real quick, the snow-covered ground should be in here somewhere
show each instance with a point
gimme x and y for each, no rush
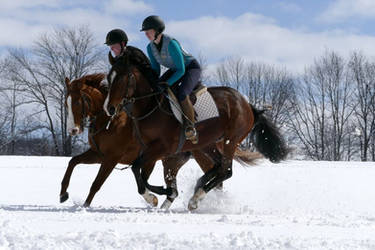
(292, 205)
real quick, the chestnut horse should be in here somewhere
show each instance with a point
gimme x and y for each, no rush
(129, 90)
(85, 98)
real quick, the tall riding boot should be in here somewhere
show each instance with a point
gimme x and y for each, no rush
(190, 132)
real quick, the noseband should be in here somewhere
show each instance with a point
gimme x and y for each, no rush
(127, 101)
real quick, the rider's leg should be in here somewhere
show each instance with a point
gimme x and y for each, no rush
(189, 81)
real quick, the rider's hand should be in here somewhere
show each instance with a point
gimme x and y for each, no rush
(163, 85)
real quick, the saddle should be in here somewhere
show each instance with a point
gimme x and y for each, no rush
(203, 103)
(198, 90)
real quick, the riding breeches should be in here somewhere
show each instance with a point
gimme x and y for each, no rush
(187, 82)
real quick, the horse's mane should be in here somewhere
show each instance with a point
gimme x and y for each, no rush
(95, 81)
(134, 57)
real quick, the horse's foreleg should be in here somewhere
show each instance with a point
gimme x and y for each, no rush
(104, 171)
(146, 162)
(88, 157)
(172, 165)
(136, 169)
(146, 171)
(141, 178)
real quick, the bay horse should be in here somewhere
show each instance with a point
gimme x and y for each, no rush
(129, 90)
(85, 99)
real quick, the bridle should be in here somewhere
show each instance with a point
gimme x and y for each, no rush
(128, 102)
(89, 121)
(85, 113)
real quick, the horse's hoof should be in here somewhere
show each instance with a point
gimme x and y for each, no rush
(173, 194)
(150, 198)
(155, 201)
(166, 204)
(197, 197)
(219, 187)
(64, 197)
(192, 204)
(86, 204)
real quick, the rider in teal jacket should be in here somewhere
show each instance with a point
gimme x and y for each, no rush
(182, 67)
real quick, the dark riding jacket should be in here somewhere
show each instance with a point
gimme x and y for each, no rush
(141, 61)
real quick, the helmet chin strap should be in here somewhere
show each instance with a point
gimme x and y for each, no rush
(157, 33)
(123, 48)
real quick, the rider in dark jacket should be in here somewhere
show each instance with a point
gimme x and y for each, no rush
(117, 40)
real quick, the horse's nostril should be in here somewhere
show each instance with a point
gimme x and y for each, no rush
(111, 110)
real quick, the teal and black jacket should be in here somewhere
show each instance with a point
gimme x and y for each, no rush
(171, 55)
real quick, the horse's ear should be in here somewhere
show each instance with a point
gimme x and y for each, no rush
(111, 59)
(80, 84)
(67, 82)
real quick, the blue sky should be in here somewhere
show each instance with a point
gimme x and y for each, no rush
(289, 33)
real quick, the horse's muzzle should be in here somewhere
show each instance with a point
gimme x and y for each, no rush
(74, 131)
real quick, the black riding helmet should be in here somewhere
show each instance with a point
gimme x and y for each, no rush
(153, 22)
(116, 36)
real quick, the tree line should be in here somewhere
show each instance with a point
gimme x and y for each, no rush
(325, 113)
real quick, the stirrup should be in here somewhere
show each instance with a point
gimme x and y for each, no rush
(191, 134)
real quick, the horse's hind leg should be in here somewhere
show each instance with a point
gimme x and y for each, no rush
(88, 157)
(216, 176)
(209, 160)
(205, 158)
(105, 170)
(172, 165)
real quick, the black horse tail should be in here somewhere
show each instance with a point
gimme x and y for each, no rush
(266, 138)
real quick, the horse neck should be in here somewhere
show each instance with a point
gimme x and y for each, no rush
(97, 99)
(143, 89)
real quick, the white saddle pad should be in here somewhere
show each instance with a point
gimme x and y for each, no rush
(205, 107)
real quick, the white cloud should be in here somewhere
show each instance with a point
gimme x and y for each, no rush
(17, 33)
(9, 4)
(251, 36)
(341, 10)
(128, 7)
(288, 7)
(258, 38)
(21, 26)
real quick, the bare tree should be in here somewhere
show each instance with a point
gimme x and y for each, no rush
(271, 88)
(66, 52)
(265, 86)
(203, 63)
(11, 102)
(25, 73)
(363, 75)
(321, 112)
(231, 72)
(40, 74)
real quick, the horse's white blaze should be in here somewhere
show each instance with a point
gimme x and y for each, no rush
(111, 78)
(104, 81)
(70, 119)
(105, 105)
